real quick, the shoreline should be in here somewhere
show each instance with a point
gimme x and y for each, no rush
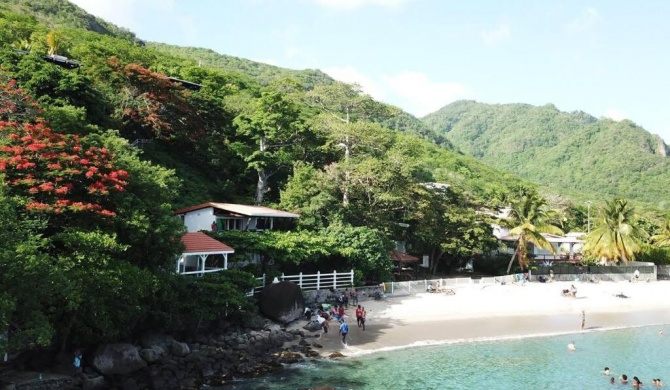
(499, 312)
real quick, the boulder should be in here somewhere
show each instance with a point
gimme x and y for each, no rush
(97, 383)
(110, 359)
(312, 326)
(149, 355)
(153, 340)
(179, 349)
(282, 302)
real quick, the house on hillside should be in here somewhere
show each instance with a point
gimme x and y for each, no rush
(567, 247)
(229, 216)
(202, 254)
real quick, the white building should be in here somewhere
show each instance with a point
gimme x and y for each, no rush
(228, 216)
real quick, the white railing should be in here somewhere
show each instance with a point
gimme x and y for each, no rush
(259, 287)
(321, 281)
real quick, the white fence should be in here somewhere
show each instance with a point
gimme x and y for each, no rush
(259, 287)
(315, 281)
(321, 281)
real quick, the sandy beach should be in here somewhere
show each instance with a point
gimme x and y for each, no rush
(481, 312)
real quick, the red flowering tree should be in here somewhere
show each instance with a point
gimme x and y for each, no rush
(56, 171)
(150, 105)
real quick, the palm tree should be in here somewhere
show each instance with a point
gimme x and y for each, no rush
(528, 217)
(662, 240)
(616, 236)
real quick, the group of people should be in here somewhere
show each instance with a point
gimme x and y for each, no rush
(338, 312)
(635, 381)
(572, 292)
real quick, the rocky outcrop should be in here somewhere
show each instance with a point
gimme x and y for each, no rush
(282, 302)
(110, 359)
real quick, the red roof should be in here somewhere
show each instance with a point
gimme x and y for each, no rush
(402, 257)
(199, 242)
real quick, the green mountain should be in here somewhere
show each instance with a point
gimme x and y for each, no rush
(572, 152)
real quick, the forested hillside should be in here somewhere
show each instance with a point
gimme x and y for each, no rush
(571, 151)
(103, 137)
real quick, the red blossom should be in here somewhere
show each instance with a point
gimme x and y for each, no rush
(44, 167)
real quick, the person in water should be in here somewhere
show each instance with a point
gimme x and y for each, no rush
(607, 371)
(571, 346)
(624, 379)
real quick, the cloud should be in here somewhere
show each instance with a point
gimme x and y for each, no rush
(418, 95)
(614, 114)
(353, 4)
(497, 35)
(584, 23)
(131, 14)
(349, 75)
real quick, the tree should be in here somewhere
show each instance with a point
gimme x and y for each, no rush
(56, 172)
(527, 219)
(444, 223)
(345, 119)
(276, 128)
(616, 236)
(662, 239)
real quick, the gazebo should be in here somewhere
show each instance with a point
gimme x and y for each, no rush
(403, 261)
(198, 247)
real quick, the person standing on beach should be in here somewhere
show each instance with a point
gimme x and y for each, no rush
(583, 320)
(359, 315)
(344, 330)
(364, 313)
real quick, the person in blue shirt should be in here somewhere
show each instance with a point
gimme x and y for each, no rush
(344, 329)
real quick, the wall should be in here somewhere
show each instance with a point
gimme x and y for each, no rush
(198, 220)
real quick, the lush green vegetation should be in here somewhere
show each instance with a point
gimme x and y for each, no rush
(95, 159)
(569, 153)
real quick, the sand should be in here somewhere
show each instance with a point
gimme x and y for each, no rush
(479, 312)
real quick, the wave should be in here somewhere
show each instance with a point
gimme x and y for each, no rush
(357, 352)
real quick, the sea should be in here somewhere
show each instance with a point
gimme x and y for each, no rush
(536, 362)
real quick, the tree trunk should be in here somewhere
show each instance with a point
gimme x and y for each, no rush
(509, 266)
(347, 152)
(261, 185)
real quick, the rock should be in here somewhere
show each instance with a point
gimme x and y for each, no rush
(179, 349)
(152, 340)
(282, 302)
(317, 345)
(129, 384)
(312, 326)
(311, 353)
(97, 383)
(335, 355)
(149, 355)
(253, 321)
(110, 359)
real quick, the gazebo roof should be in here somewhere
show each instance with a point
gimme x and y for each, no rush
(402, 257)
(200, 243)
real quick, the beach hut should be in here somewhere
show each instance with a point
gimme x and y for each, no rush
(198, 249)
(405, 264)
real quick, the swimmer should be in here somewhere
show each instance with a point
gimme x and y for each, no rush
(624, 379)
(611, 380)
(607, 371)
(660, 331)
(571, 346)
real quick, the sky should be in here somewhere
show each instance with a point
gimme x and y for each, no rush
(607, 58)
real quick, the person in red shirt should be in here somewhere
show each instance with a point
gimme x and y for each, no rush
(340, 311)
(359, 315)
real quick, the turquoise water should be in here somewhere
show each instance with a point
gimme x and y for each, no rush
(526, 363)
